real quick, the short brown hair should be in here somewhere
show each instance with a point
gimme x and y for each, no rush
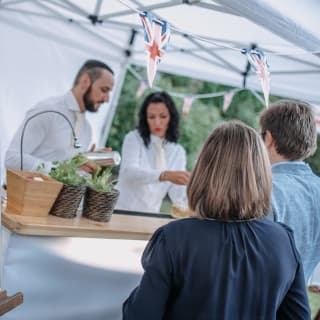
(232, 177)
(292, 126)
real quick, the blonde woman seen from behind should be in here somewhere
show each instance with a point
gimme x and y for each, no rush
(229, 262)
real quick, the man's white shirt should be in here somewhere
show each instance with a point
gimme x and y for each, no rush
(48, 136)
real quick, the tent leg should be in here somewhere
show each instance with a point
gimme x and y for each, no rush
(113, 104)
(115, 97)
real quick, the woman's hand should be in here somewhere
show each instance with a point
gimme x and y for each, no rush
(88, 167)
(93, 149)
(175, 177)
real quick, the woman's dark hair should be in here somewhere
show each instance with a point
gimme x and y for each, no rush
(172, 133)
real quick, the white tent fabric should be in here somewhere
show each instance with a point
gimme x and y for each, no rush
(43, 43)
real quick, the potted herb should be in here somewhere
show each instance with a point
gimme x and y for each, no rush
(69, 198)
(101, 197)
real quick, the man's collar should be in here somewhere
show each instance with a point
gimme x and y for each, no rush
(156, 139)
(285, 166)
(71, 102)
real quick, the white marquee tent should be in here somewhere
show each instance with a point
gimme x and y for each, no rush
(43, 43)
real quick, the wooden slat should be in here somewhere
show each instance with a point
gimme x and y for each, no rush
(3, 294)
(119, 227)
(9, 303)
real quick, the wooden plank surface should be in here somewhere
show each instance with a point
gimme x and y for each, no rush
(121, 226)
(9, 303)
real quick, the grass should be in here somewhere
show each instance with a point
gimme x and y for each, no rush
(166, 206)
(314, 298)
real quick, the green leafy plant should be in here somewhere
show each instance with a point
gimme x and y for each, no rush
(66, 171)
(101, 179)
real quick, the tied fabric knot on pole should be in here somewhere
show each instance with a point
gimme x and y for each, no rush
(258, 61)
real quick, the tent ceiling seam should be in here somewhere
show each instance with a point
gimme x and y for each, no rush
(279, 26)
(81, 26)
(97, 7)
(142, 8)
(13, 2)
(59, 4)
(225, 62)
(76, 8)
(215, 63)
(70, 43)
(216, 8)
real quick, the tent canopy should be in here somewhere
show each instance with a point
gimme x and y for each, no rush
(43, 43)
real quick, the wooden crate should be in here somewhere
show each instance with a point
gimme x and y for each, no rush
(30, 197)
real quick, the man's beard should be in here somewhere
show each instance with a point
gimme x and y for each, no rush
(89, 104)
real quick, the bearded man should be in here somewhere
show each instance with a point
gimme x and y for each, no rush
(57, 128)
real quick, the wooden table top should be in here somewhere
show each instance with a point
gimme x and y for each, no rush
(123, 225)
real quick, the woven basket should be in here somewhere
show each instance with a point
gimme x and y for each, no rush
(99, 205)
(68, 200)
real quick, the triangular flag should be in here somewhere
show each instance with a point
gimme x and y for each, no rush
(141, 89)
(187, 102)
(259, 62)
(227, 99)
(316, 110)
(156, 37)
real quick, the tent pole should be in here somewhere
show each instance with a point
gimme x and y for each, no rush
(114, 102)
(1, 239)
(116, 95)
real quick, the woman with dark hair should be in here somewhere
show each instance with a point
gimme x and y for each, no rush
(228, 261)
(153, 164)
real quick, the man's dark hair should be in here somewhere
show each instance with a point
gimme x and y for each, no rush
(93, 68)
(172, 133)
(292, 126)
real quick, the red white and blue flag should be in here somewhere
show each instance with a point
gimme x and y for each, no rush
(258, 61)
(142, 88)
(227, 99)
(316, 110)
(156, 37)
(187, 102)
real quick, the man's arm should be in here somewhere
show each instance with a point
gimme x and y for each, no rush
(33, 138)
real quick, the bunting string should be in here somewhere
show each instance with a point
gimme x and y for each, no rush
(290, 52)
(182, 95)
(189, 99)
(157, 34)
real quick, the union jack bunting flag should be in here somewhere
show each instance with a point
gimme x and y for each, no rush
(187, 102)
(227, 99)
(142, 87)
(156, 38)
(316, 110)
(258, 61)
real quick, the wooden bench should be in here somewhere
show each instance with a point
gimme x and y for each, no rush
(9, 303)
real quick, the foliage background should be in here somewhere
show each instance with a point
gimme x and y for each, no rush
(204, 115)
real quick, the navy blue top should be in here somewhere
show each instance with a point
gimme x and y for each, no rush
(205, 269)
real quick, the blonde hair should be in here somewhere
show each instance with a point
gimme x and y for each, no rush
(232, 177)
